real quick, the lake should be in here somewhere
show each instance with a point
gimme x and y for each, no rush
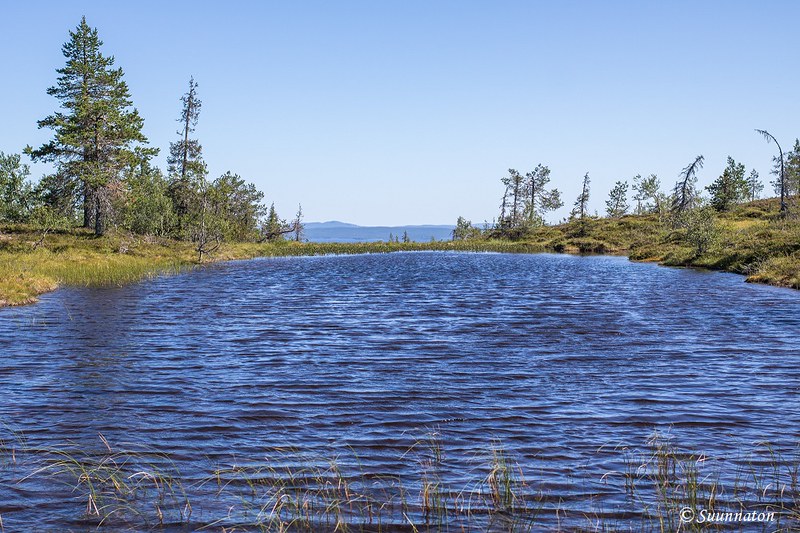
(385, 390)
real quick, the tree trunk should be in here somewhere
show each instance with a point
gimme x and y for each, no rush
(99, 228)
(87, 206)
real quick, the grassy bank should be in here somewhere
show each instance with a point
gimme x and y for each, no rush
(751, 240)
(31, 264)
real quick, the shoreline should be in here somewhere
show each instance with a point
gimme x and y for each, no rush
(98, 269)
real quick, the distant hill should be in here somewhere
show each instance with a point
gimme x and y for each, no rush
(329, 224)
(335, 231)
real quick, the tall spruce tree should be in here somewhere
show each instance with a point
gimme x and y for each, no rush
(97, 129)
(185, 162)
(581, 206)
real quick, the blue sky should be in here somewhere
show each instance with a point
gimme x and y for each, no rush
(409, 112)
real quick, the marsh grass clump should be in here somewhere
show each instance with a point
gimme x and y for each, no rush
(134, 487)
(291, 491)
(666, 482)
(503, 481)
(118, 486)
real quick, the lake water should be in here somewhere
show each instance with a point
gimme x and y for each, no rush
(241, 375)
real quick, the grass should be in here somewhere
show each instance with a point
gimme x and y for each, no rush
(286, 490)
(751, 240)
(30, 265)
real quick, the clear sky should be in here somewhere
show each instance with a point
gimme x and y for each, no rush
(410, 112)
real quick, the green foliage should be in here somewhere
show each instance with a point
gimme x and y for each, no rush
(540, 199)
(185, 162)
(754, 186)
(60, 193)
(146, 207)
(96, 134)
(648, 195)
(617, 203)
(273, 228)
(465, 230)
(16, 194)
(793, 172)
(580, 207)
(730, 188)
(525, 201)
(702, 230)
(236, 206)
(297, 226)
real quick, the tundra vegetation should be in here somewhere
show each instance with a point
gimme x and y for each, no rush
(726, 226)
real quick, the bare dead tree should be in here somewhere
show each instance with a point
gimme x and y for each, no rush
(684, 189)
(770, 138)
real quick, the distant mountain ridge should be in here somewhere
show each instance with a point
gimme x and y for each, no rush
(336, 231)
(329, 224)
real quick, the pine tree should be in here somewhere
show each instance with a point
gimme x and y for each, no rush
(649, 198)
(526, 200)
(617, 203)
(185, 162)
(512, 210)
(754, 185)
(540, 200)
(730, 188)
(97, 131)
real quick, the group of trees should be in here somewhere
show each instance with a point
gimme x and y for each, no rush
(104, 175)
(526, 199)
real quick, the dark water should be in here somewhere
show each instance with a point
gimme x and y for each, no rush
(564, 359)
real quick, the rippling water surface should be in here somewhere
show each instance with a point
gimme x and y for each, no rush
(563, 359)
